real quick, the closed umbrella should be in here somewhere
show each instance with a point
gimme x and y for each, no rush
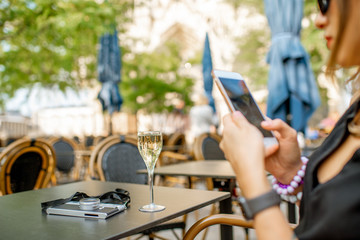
(109, 67)
(293, 93)
(206, 69)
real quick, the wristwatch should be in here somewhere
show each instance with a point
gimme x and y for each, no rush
(250, 207)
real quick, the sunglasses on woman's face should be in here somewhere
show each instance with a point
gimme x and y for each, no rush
(324, 6)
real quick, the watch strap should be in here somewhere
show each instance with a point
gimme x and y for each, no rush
(251, 207)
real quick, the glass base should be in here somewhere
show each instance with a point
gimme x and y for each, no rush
(151, 208)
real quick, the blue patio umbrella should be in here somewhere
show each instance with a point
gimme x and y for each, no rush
(207, 67)
(293, 93)
(109, 68)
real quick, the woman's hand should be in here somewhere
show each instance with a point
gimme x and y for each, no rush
(284, 160)
(243, 146)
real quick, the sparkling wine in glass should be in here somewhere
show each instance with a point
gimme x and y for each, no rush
(150, 144)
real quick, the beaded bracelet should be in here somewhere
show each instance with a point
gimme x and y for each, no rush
(285, 190)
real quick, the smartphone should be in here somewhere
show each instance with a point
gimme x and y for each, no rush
(238, 98)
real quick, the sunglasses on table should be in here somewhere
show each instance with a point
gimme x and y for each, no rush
(323, 6)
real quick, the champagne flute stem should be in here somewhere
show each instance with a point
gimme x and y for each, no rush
(151, 184)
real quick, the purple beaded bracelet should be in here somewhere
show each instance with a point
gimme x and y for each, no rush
(298, 180)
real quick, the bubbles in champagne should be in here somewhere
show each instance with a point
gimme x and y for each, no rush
(150, 144)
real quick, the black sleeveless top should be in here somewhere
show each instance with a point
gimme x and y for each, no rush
(332, 210)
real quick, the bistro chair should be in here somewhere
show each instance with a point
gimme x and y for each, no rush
(7, 141)
(26, 164)
(207, 147)
(176, 142)
(118, 160)
(169, 158)
(89, 141)
(67, 163)
(94, 173)
(77, 139)
(174, 151)
(98, 139)
(165, 138)
(225, 219)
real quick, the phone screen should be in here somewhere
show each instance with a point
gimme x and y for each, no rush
(242, 101)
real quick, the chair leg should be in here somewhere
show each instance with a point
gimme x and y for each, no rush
(204, 233)
(176, 236)
(152, 236)
(246, 233)
(184, 229)
(53, 179)
(137, 237)
(213, 211)
(78, 167)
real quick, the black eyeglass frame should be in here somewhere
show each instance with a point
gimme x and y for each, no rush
(323, 6)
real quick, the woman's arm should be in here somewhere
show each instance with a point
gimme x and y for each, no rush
(243, 146)
(271, 224)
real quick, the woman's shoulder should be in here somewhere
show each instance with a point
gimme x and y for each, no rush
(352, 113)
(338, 134)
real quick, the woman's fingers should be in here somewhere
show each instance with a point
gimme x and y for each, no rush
(271, 150)
(234, 127)
(280, 128)
(239, 119)
(227, 119)
(236, 118)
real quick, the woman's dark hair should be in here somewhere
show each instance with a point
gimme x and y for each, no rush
(331, 66)
(344, 9)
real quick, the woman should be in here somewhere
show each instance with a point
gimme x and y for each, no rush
(330, 203)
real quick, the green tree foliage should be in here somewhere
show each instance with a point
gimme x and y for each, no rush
(56, 42)
(251, 58)
(253, 47)
(151, 81)
(53, 41)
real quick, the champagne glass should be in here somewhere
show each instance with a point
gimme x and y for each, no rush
(149, 145)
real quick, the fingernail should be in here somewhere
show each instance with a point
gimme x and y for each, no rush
(237, 114)
(266, 123)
